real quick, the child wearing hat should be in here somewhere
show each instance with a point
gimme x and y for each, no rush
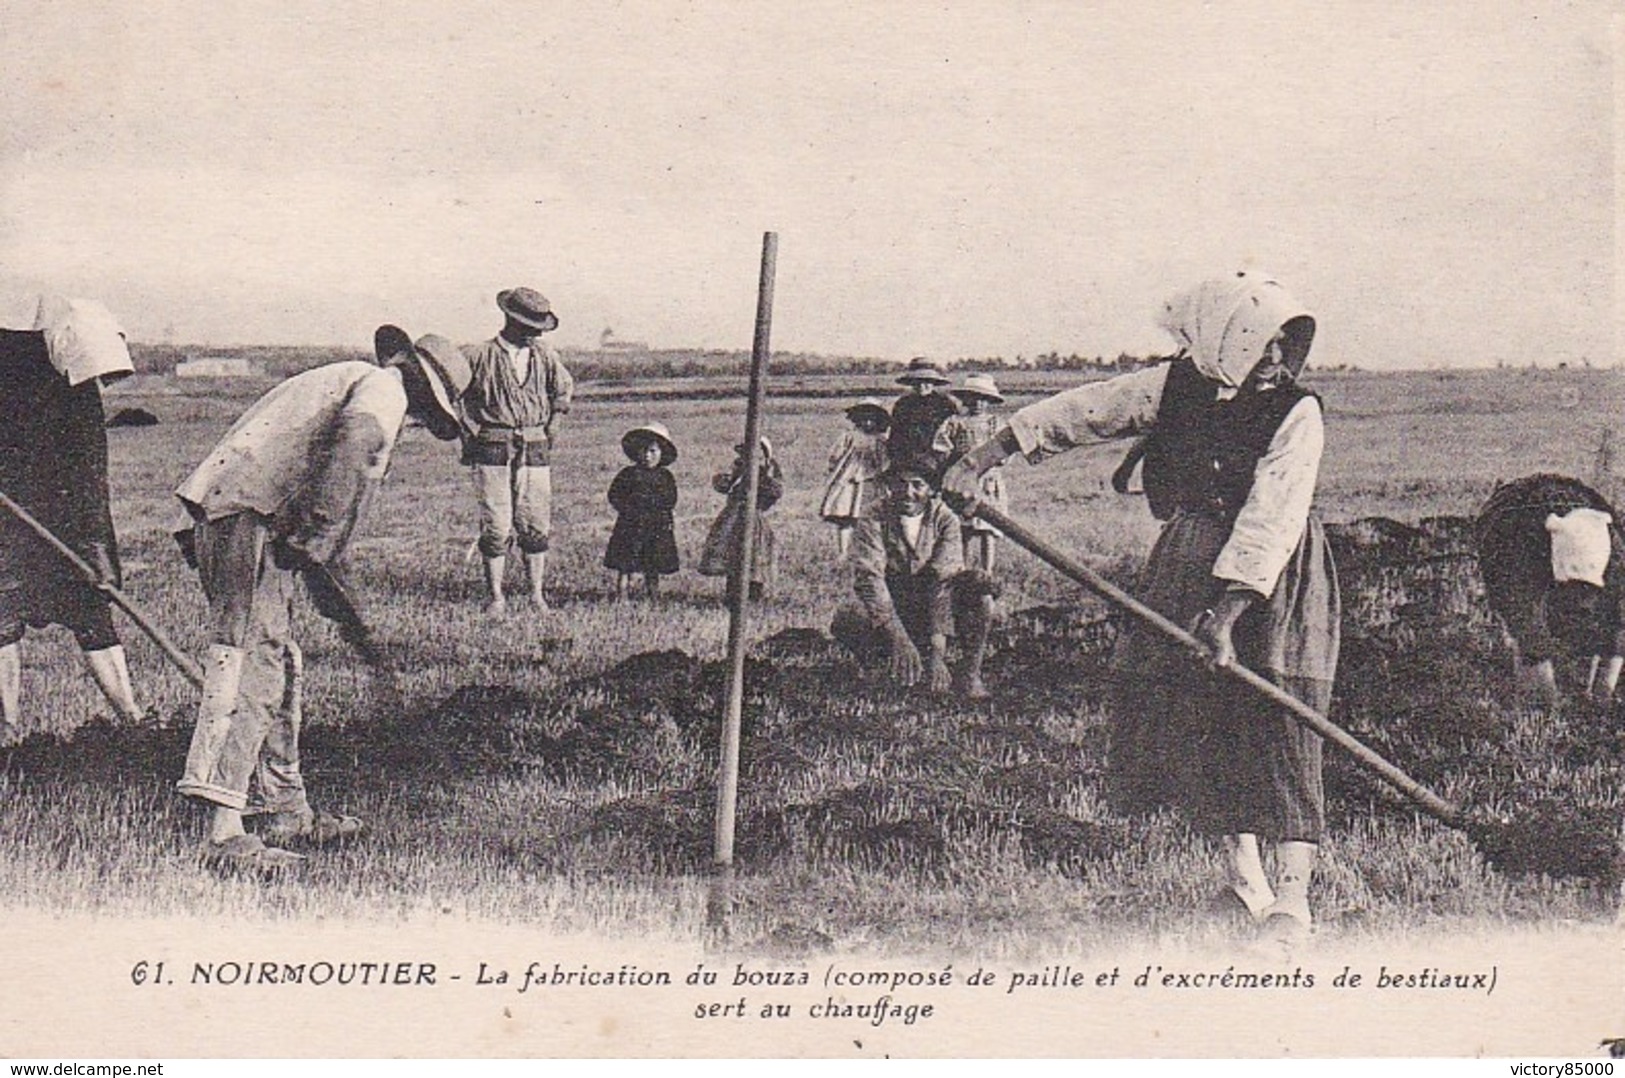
(856, 462)
(722, 542)
(916, 415)
(958, 434)
(643, 495)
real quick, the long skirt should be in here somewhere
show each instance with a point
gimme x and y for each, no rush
(722, 542)
(1202, 742)
(53, 462)
(643, 543)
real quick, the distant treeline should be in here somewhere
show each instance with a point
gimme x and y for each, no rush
(608, 364)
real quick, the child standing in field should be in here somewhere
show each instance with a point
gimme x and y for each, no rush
(643, 495)
(958, 434)
(856, 462)
(722, 542)
(918, 413)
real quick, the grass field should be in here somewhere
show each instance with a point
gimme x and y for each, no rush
(557, 769)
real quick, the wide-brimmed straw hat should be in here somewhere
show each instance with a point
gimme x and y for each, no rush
(921, 369)
(447, 368)
(979, 385)
(872, 407)
(634, 439)
(528, 306)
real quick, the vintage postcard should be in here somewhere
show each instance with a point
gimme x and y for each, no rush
(811, 530)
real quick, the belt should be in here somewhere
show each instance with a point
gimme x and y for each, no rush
(1218, 514)
(507, 435)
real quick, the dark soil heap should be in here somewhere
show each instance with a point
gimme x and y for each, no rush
(1426, 679)
(840, 767)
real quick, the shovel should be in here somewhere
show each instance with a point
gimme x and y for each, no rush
(1558, 843)
(115, 595)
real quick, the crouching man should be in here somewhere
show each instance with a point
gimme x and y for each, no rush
(913, 589)
(280, 497)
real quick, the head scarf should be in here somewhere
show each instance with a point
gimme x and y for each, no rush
(83, 339)
(1224, 324)
(1581, 545)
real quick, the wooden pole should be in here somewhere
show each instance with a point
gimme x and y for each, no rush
(744, 556)
(1450, 814)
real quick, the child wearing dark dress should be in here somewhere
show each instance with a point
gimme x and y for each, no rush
(723, 542)
(643, 495)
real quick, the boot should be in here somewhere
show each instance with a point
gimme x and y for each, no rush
(1288, 917)
(111, 672)
(1610, 679)
(11, 686)
(536, 571)
(974, 644)
(1244, 871)
(495, 569)
(222, 677)
(1539, 683)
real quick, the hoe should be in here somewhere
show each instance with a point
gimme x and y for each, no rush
(1556, 842)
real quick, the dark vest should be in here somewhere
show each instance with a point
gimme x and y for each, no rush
(1203, 452)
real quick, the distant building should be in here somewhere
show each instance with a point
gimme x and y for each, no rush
(216, 367)
(608, 342)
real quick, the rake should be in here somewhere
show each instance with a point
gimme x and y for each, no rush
(1553, 841)
(183, 662)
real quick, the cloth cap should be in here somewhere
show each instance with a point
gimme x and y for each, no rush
(448, 370)
(528, 306)
(83, 339)
(1581, 545)
(633, 439)
(1225, 323)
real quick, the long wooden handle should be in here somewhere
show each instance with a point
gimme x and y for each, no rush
(1044, 551)
(174, 654)
(742, 558)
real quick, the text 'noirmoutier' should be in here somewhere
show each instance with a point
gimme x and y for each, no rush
(835, 979)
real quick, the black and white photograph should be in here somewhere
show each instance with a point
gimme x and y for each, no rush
(816, 530)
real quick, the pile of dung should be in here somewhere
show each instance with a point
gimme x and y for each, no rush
(1422, 664)
(1051, 655)
(608, 726)
(479, 729)
(1555, 840)
(1426, 679)
(132, 417)
(103, 753)
(671, 827)
(1069, 844)
(928, 775)
(876, 823)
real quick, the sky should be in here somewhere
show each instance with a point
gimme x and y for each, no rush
(1436, 182)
